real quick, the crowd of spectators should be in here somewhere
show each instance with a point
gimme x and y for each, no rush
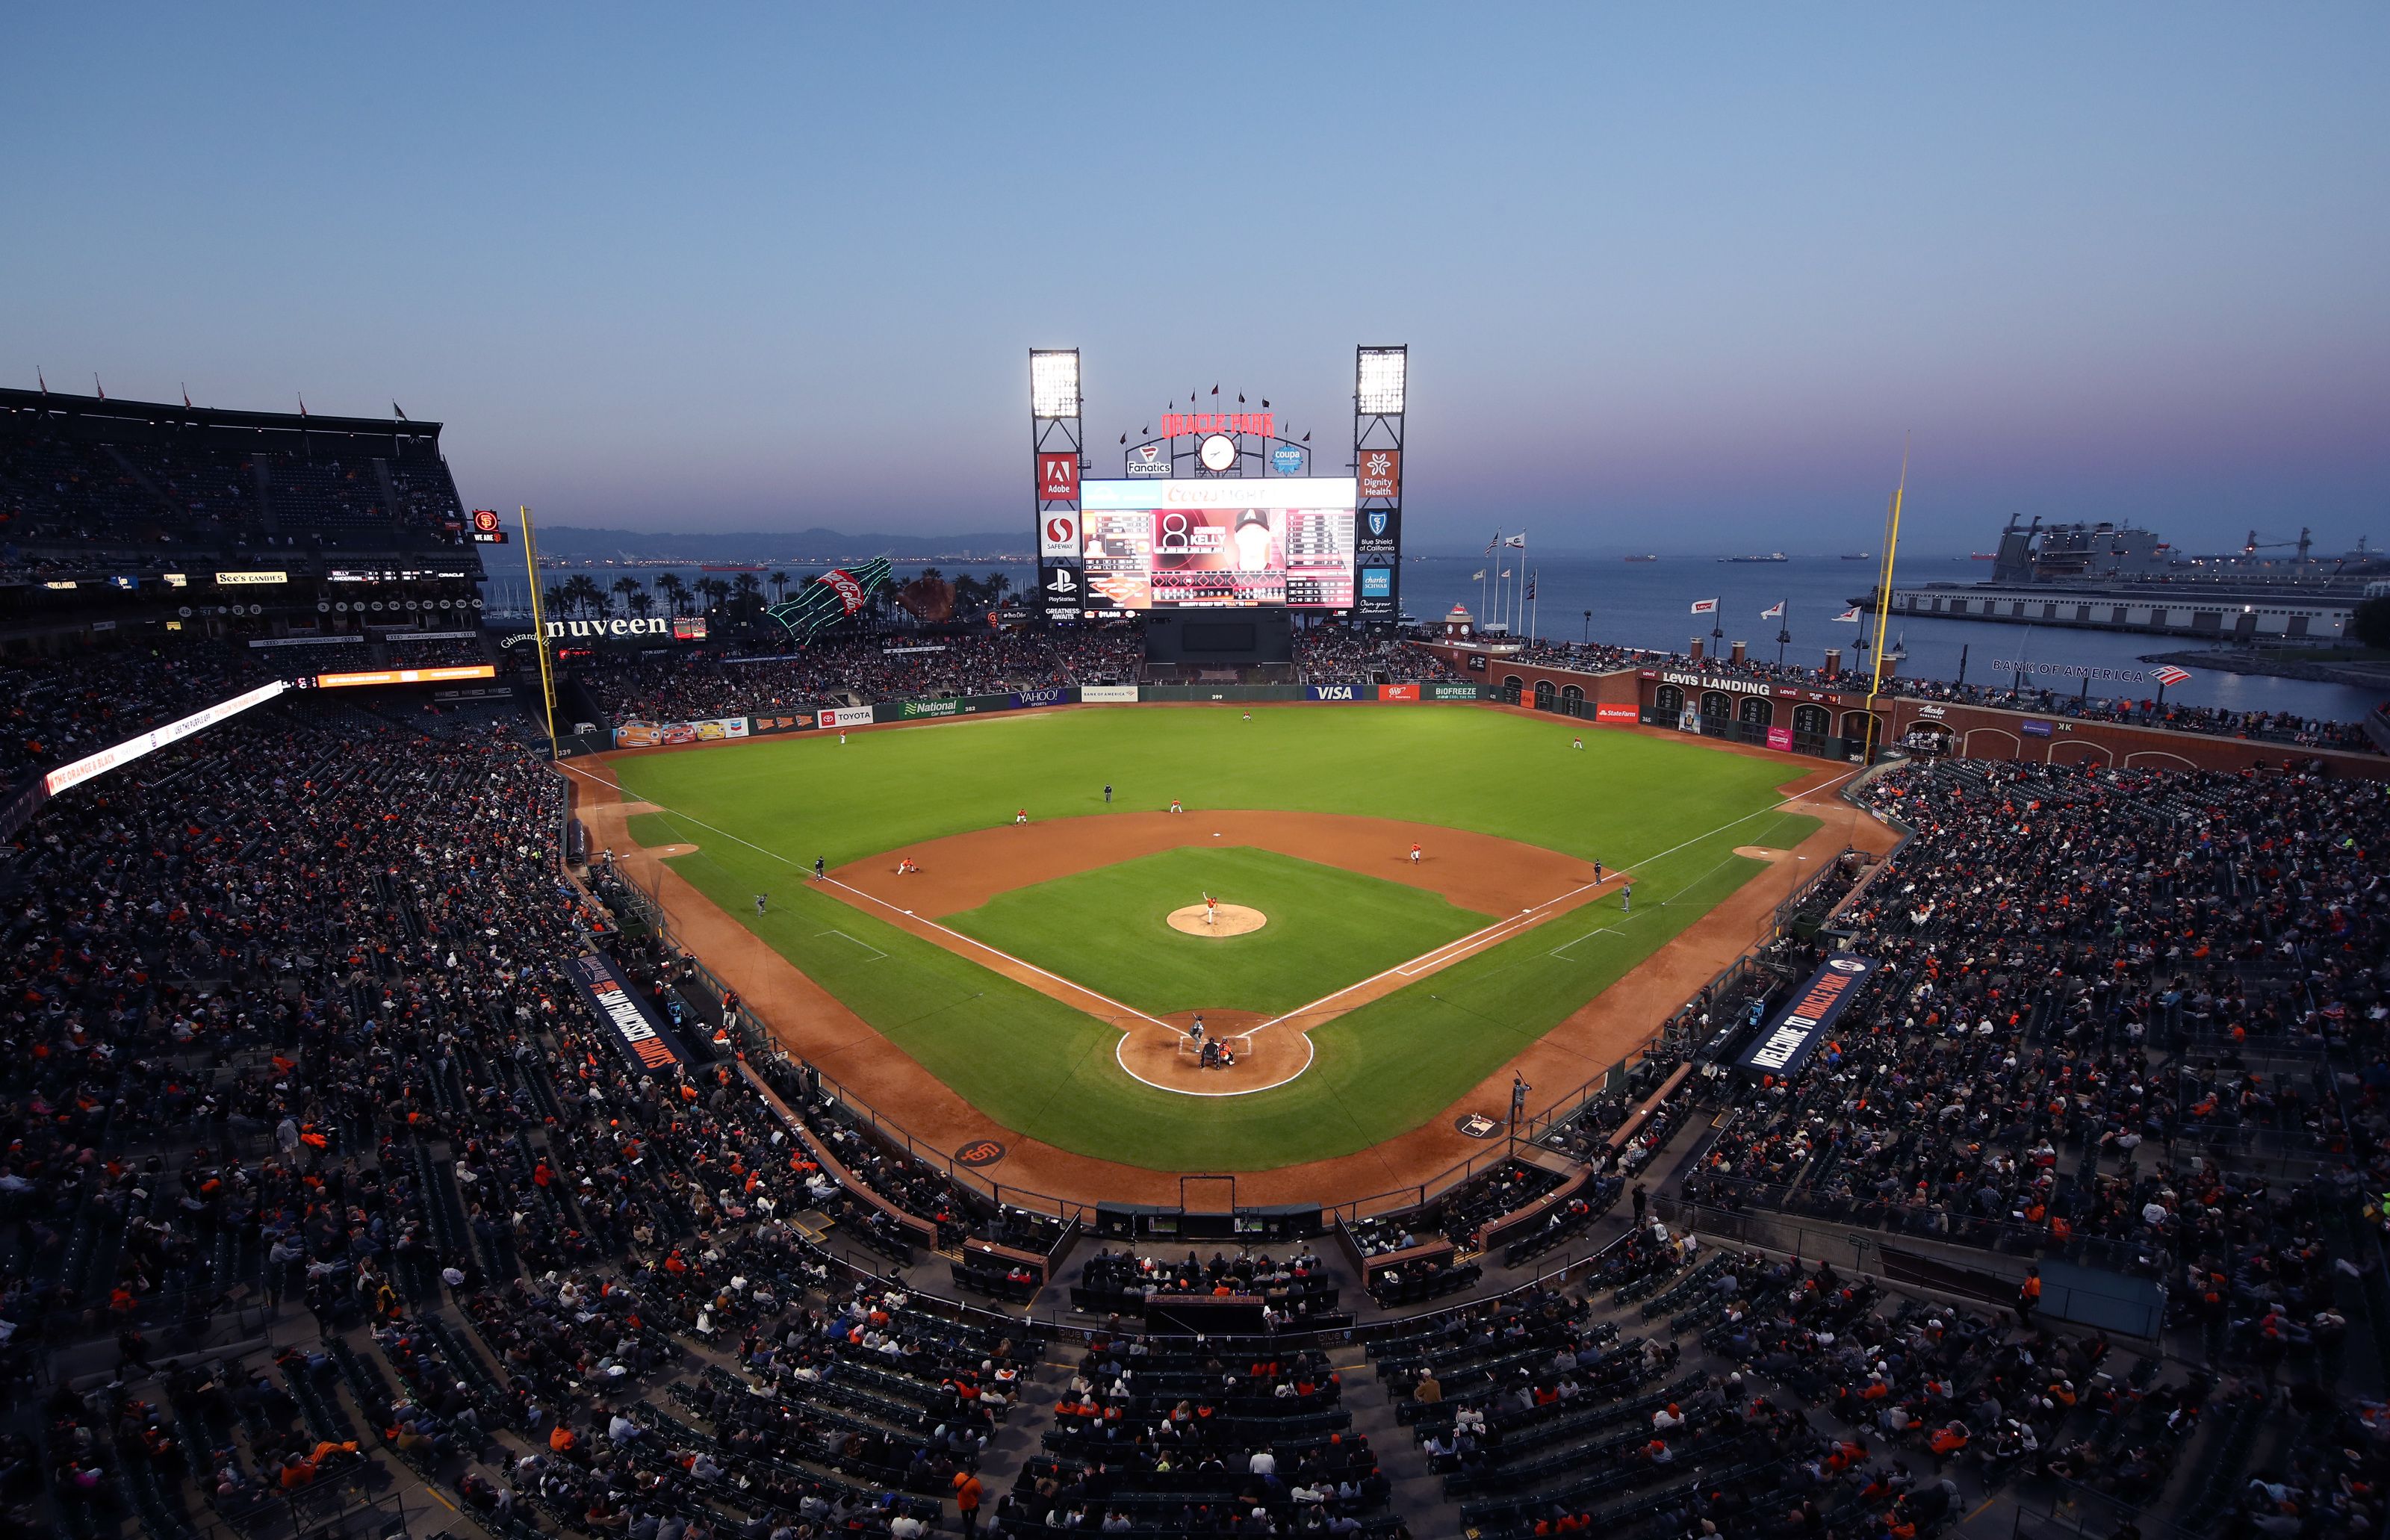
(710, 682)
(286, 1015)
(2076, 967)
(1333, 653)
(111, 483)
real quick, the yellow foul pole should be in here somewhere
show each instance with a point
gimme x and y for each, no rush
(539, 632)
(1884, 598)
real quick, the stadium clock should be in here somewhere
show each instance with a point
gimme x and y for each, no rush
(1218, 451)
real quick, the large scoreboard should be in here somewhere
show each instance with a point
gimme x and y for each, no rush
(1224, 544)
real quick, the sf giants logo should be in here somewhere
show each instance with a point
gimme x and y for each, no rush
(1058, 478)
(980, 1153)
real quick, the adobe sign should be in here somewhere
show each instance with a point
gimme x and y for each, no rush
(1058, 478)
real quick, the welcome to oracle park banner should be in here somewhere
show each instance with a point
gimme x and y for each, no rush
(1794, 1034)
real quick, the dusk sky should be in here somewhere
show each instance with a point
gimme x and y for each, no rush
(1674, 278)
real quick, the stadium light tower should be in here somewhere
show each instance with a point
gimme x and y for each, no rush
(1380, 386)
(1054, 451)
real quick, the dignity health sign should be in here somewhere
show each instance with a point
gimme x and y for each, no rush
(1794, 1034)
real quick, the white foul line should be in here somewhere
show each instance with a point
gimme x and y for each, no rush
(998, 952)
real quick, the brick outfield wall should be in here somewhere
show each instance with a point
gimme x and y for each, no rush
(1976, 732)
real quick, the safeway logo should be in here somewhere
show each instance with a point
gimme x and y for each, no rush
(1058, 536)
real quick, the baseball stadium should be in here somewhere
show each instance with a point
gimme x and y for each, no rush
(1179, 1047)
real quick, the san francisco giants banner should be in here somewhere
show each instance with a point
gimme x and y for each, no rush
(642, 1035)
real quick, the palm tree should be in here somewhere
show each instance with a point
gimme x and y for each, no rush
(557, 600)
(673, 589)
(715, 589)
(780, 582)
(630, 589)
(748, 592)
(580, 591)
(995, 587)
(642, 603)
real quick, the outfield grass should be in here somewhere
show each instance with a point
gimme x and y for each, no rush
(1109, 928)
(760, 813)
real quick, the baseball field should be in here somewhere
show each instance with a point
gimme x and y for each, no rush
(1034, 969)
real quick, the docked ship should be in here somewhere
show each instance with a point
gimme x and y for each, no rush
(2108, 576)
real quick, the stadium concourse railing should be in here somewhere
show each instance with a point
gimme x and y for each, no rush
(1672, 1044)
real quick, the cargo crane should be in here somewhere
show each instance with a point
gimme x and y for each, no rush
(2305, 540)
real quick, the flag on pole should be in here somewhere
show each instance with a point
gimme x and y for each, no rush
(1705, 606)
(1850, 615)
(1496, 541)
(1477, 576)
(1518, 540)
(1773, 611)
(2169, 674)
(1531, 582)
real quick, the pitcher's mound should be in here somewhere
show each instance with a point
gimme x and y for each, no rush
(1760, 852)
(1234, 919)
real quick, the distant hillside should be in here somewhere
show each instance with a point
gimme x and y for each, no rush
(574, 542)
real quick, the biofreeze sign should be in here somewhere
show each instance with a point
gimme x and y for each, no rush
(1794, 1034)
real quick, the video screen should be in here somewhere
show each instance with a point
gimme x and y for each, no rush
(1230, 543)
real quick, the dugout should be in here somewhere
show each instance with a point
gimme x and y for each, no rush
(1141, 1221)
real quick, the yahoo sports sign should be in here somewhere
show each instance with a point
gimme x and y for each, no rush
(1794, 1034)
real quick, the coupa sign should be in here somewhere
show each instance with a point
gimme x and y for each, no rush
(1794, 1034)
